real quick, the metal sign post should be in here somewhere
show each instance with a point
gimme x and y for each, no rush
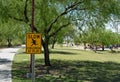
(32, 55)
(33, 45)
(33, 68)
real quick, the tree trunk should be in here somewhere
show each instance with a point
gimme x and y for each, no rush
(85, 46)
(103, 48)
(9, 42)
(96, 48)
(46, 53)
(53, 45)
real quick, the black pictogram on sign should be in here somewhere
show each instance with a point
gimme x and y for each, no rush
(34, 42)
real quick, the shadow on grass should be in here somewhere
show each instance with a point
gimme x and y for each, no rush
(62, 52)
(69, 71)
(113, 51)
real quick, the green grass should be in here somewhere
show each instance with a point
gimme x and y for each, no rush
(70, 65)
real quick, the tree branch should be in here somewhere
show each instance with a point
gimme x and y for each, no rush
(15, 18)
(25, 12)
(26, 20)
(73, 5)
(57, 30)
(35, 29)
(68, 9)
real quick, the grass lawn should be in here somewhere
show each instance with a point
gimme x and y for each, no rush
(69, 65)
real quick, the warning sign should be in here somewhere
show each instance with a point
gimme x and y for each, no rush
(33, 43)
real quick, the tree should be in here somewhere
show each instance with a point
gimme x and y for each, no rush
(114, 25)
(11, 32)
(53, 15)
(62, 35)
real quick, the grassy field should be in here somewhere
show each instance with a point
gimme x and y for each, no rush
(69, 65)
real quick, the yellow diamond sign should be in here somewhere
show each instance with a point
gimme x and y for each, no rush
(33, 43)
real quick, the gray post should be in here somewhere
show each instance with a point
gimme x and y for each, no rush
(33, 66)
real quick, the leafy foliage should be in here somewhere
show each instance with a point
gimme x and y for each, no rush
(51, 16)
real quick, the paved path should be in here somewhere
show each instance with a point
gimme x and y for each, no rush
(6, 57)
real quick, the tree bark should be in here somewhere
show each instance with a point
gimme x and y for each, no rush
(9, 42)
(46, 53)
(53, 44)
(103, 48)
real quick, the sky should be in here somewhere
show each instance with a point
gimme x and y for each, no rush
(115, 27)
